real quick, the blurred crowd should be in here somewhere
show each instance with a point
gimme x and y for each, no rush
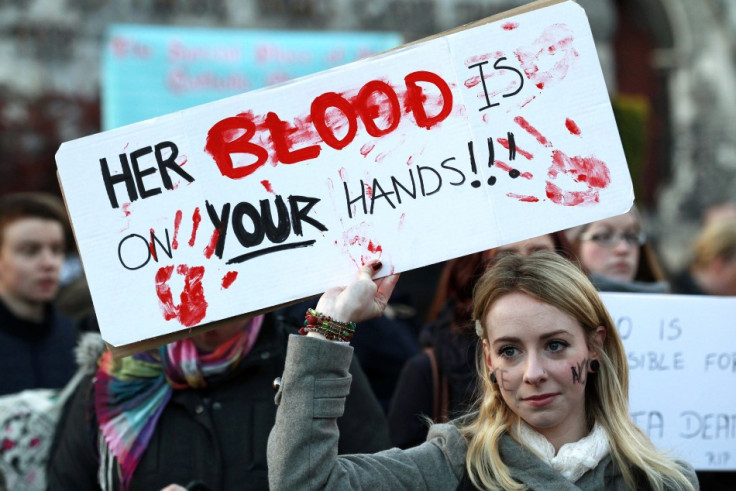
(198, 411)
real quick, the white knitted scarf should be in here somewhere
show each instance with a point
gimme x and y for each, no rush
(573, 459)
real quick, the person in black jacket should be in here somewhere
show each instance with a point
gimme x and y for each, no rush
(36, 342)
(211, 436)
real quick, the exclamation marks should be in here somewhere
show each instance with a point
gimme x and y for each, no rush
(474, 167)
(510, 144)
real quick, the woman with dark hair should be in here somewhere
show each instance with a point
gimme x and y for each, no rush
(439, 383)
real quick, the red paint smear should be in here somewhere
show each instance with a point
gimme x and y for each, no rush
(589, 170)
(472, 81)
(126, 209)
(193, 305)
(177, 223)
(341, 172)
(572, 126)
(196, 218)
(485, 117)
(366, 149)
(152, 247)
(183, 159)
(401, 220)
(410, 160)
(527, 175)
(368, 190)
(374, 248)
(380, 157)
(210, 249)
(503, 166)
(163, 291)
(484, 57)
(524, 198)
(532, 131)
(267, 186)
(553, 51)
(505, 144)
(510, 26)
(528, 101)
(228, 279)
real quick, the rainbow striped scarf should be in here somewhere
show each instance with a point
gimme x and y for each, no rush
(130, 393)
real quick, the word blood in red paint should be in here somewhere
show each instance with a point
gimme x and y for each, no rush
(192, 307)
(272, 138)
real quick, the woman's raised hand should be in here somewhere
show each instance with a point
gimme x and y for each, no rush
(363, 299)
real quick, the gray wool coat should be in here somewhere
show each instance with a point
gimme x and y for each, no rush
(302, 446)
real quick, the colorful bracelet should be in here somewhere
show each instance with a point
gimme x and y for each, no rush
(327, 326)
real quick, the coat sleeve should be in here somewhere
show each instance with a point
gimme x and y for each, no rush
(363, 427)
(302, 446)
(73, 463)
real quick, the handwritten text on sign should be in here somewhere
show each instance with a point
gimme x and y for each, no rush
(682, 361)
(454, 145)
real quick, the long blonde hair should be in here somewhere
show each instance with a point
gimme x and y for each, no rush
(556, 281)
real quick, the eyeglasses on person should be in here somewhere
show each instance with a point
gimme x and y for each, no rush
(612, 239)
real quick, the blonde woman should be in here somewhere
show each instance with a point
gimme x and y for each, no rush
(553, 413)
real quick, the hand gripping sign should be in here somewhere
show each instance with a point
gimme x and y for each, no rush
(489, 134)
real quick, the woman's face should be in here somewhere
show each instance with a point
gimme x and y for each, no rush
(609, 247)
(525, 247)
(541, 359)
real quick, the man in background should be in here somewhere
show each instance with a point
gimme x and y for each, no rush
(36, 342)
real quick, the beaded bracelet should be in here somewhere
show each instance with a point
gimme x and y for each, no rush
(327, 326)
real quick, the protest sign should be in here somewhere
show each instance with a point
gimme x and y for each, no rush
(484, 136)
(682, 367)
(149, 71)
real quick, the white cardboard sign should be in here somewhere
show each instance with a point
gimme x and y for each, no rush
(487, 135)
(682, 372)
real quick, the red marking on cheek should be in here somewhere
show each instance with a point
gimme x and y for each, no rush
(505, 144)
(572, 126)
(510, 26)
(126, 209)
(532, 131)
(177, 224)
(366, 149)
(267, 186)
(228, 279)
(196, 219)
(210, 249)
(524, 198)
(163, 291)
(193, 307)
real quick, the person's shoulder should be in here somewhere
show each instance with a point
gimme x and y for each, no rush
(448, 438)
